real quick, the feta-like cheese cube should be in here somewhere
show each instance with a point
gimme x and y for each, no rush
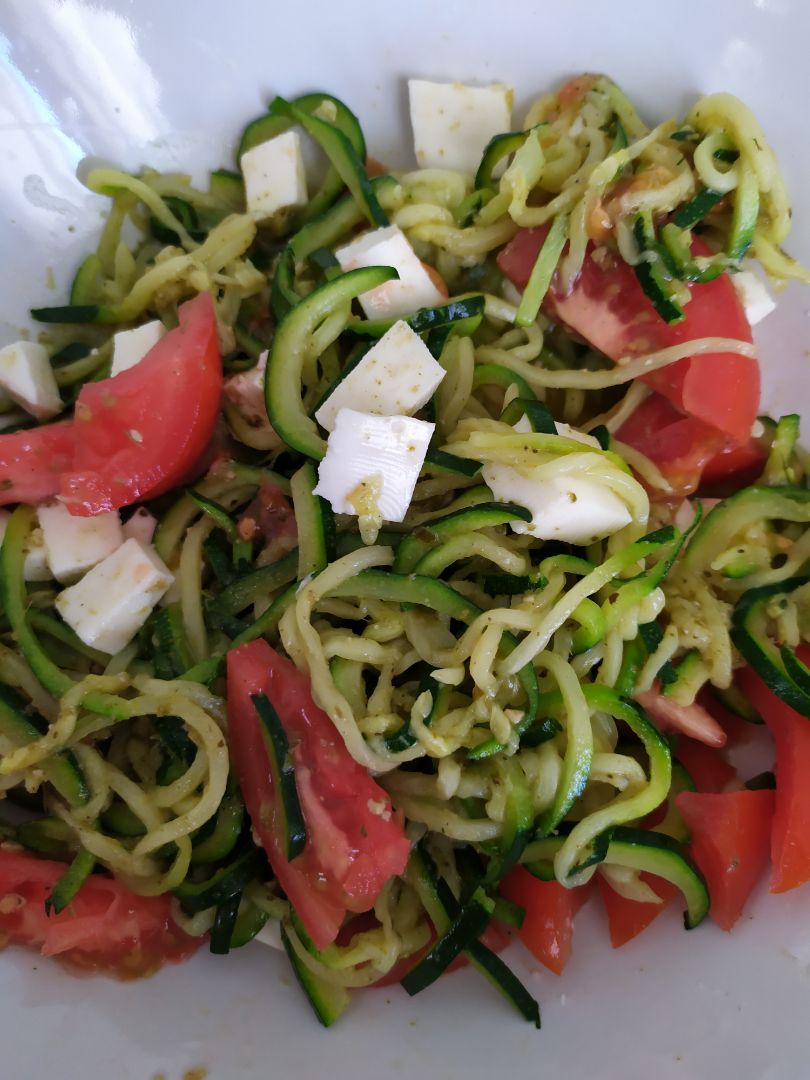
(452, 123)
(131, 346)
(110, 604)
(754, 296)
(574, 509)
(27, 377)
(274, 176)
(140, 526)
(396, 377)
(382, 452)
(35, 558)
(75, 544)
(413, 289)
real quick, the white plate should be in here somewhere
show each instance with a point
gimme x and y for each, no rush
(171, 84)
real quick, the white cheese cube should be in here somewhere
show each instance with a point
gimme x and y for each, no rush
(141, 526)
(452, 123)
(386, 451)
(576, 510)
(246, 391)
(35, 561)
(274, 176)
(394, 299)
(753, 295)
(75, 544)
(396, 377)
(35, 558)
(131, 346)
(110, 604)
(27, 377)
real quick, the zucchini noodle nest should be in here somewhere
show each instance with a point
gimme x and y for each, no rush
(492, 681)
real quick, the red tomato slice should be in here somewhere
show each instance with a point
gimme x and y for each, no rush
(707, 766)
(550, 909)
(692, 720)
(730, 841)
(628, 918)
(106, 928)
(608, 308)
(31, 462)
(733, 468)
(682, 447)
(140, 433)
(790, 835)
(355, 843)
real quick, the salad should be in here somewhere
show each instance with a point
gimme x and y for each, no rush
(392, 560)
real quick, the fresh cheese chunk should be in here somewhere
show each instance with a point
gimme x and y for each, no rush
(754, 297)
(576, 510)
(395, 377)
(27, 377)
(75, 544)
(131, 346)
(246, 391)
(452, 123)
(381, 455)
(394, 299)
(35, 558)
(110, 604)
(141, 526)
(274, 176)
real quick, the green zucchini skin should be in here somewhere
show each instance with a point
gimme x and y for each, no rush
(62, 770)
(785, 680)
(442, 908)
(328, 1001)
(286, 793)
(315, 521)
(635, 849)
(65, 889)
(287, 353)
(651, 274)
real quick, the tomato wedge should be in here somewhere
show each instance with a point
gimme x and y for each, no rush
(683, 448)
(790, 836)
(139, 433)
(106, 928)
(707, 766)
(550, 908)
(730, 841)
(32, 462)
(714, 397)
(628, 918)
(693, 720)
(355, 842)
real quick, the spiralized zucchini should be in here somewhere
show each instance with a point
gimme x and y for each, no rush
(485, 660)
